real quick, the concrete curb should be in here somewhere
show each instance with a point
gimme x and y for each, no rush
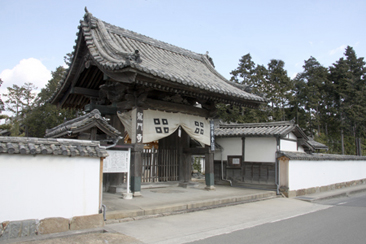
(114, 217)
(331, 194)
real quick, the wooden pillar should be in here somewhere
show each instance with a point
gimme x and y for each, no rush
(185, 159)
(209, 170)
(242, 163)
(136, 169)
(137, 150)
(186, 169)
(100, 184)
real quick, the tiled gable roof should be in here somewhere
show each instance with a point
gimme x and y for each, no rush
(42, 146)
(281, 128)
(87, 121)
(114, 48)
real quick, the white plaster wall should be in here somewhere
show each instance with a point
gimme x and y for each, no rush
(286, 145)
(307, 174)
(260, 149)
(291, 136)
(231, 145)
(37, 187)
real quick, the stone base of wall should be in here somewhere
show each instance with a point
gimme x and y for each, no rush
(318, 189)
(32, 227)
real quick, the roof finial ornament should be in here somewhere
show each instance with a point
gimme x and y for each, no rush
(210, 59)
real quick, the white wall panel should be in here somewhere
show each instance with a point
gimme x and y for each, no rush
(37, 187)
(308, 174)
(286, 145)
(260, 149)
(231, 145)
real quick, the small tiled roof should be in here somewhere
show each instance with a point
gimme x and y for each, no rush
(280, 128)
(115, 49)
(317, 145)
(42, 146)
(305, 144)
(82, 123)
(318, 156)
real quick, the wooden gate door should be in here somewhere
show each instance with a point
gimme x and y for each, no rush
(150, 165)
(169, 158)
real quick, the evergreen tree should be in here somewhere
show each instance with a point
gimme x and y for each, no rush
(310, 95)
(348, 78)
(45, 115)
(68, 59)
(3, 116)
(278, 87)
(329, 103)
(251, 78)
(51, 86)
(32, 114)
(298, 103)
(2, 107)
(20, 101)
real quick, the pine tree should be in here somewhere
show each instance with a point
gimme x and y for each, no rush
(20, 101)
(252, 78)
(348, 78)
(278, 87)
(310, 94)
(3, 116)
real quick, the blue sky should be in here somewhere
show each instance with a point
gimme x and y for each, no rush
(36, 35)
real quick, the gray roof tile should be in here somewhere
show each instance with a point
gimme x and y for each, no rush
(113, 48)
(280, 128)
(316, 145)
(42, 146)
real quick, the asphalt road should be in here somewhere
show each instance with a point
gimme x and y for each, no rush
(343, 222)
(189, 227)
(278, 220)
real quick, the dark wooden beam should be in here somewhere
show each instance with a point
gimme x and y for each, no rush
(103, 109)
(196, 151)
(85, 91)
(175, 107)
(124, 77)
(64, 97)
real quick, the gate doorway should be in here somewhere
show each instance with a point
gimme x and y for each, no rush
(165, 163)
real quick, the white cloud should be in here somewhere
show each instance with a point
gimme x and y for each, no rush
(337, 50)
(29, 70)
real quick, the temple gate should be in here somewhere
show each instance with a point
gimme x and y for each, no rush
(151, 91)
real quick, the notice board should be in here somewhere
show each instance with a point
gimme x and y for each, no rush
(117, 162)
